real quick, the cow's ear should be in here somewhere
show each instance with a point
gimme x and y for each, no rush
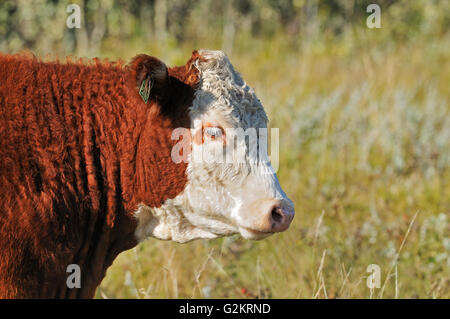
(151, 76)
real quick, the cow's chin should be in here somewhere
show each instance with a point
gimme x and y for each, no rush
(161, 224)
(198, 233)
(252, 234)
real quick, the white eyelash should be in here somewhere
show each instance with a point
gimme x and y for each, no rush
(215, 132)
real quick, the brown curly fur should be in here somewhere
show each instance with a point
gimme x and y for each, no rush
(79, 150)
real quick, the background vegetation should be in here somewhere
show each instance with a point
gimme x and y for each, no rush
(364, 122)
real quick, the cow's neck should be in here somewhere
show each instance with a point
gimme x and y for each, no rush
(134, 155)
(106, 226)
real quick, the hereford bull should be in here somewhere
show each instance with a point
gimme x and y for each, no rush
(87, 167)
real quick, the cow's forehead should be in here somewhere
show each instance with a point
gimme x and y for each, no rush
(222, 90)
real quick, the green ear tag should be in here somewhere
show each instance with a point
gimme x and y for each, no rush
(144, 90)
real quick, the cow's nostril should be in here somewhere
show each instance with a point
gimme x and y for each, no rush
(277, 216)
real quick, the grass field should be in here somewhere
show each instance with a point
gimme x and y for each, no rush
(364, 153)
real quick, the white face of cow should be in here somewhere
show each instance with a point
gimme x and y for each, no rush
(231, 189)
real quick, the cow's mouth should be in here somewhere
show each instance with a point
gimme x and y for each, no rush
(250, 233)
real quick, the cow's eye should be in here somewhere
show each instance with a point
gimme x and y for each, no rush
(213, 132)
